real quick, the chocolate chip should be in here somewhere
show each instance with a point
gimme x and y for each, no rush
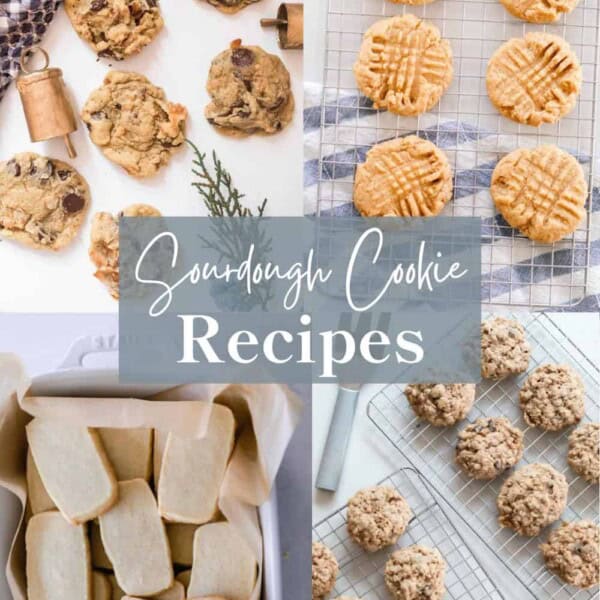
(32, 168)
(498, 466)
(46, 172)
(152, 3)
(97, 5)
(13, 168)
(72, 203)
(242, 57)
(118, 106)
(63, 174)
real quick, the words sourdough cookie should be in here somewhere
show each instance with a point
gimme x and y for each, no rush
(407, 177)
(535, 79)
(115, 28)
(584, 451)
(541, 192)
(324, 571)
(43, 201)
(539, 11)
(404, 65)
(249, 91)
(133, 123)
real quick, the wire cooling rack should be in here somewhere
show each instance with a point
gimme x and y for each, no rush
(470, 130)
(361, 573)
(431, 450)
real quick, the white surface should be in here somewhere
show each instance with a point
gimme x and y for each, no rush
(178, 60)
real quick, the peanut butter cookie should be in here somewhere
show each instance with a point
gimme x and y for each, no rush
(504, 348)
(133, 123)
(584, 452)
(324, 571)
(404, 65)
(535, 79)
(406, 177)
(43, 201)
(541, 192)
(441, 404)
(539, 11)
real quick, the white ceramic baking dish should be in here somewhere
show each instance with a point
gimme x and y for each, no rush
(72, 378)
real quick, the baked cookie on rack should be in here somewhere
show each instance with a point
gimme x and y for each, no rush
(532, 498)
(552, 397)
(584, 451)
(43, 201)
(405, 177)
(541, 192)
(441, 404)
(505, 350)
(325, 570)
(572, 552)
(489, 446)
(404, 65)
(539, 11)
(413, 569)
(377, 517)
(534, 79)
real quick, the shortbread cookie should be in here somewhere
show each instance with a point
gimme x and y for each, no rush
(181, 541)
(404, 65)
(541, 192)
(406, 177)
(115, 28)
(488, 447)
(415, 573)
(539, 11)
(43, 201)
(104, 247)
(73, 468)
(532, 498)
(249, 91)
(58, 559)
(129, 452)
(101, 588)
(224, 565)
(535, 79)
(193, 469)
(377, 517)
(552, 397)
(573, 553)
(38, 497)
(135, 541)
(325, 570)
(99, 558)
(441, 404)
(584, 451)
(505, 350)
(133, 123)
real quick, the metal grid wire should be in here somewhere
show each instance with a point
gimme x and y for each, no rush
(470, 130)
(361, 573)
(431, 449)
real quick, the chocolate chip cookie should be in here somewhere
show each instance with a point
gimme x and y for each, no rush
(250, 92)
(133, 123)
(573, 553)
(115, 28)
(504, 348)
(415, 573)
(488, 447)
(584, 451)
(532, 498)
(552, 397)
(43, 201)
(441, 404)
(231, 6)
(104, 248)
(377, 517)
(324, 570)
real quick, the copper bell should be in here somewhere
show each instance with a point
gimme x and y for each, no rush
(290, 26)
(48, 111)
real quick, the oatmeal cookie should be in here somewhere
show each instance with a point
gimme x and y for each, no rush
(488, 447)
(504, 349)
(584, 451)
(133, 123)
(115, 28)
(532, 498)
(572, 553)
(324, 570)
(104, 248)
(377, 517)
(552, 397)
(416, 573)
(406, 177)
(541, 192)
(441, 404)
(250, 92)
(404, 65)
(539, 11)
(43, 201)
(535, 79)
